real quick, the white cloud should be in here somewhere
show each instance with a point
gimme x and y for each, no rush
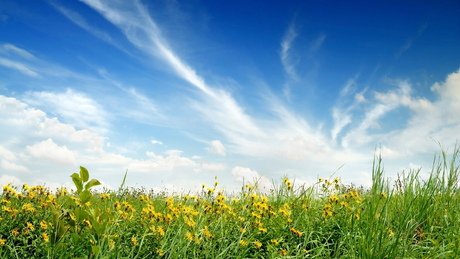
(80, 21)
(50, 150)
(7, 154)
(158, 163)
(157, 142)
(248, 176)
(217, 148)
(6, 179)
(13, 167)
(212, 167)
(19, 67)
(318, 43)
(219, 108)
(11, 49)
(286, 59)
(76, 108)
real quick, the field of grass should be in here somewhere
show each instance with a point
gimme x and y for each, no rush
(407, 218)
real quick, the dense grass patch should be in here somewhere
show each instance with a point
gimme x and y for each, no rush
(408, 218)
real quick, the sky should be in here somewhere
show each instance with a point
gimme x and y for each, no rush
(179, 92)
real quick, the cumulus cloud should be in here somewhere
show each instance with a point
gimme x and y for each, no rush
(13, 167)
(50, 150)
(64, 146)
(6, 179)
(158, 163)
(217, 148)
(74, 107)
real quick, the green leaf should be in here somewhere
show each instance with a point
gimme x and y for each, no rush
(85, 196)
(77, 181)
(84, 174)
(92, 183)
(95, 250)
(105, 216)
(75, 238)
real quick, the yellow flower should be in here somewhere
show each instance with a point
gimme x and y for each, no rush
(274, 241)
(30, 226)
(283, 252)
(2, 241)
(43, 224)
(391, 232)
(189, 236)
(258, 244)
(134, 240)
(15, 232)
(264, 230)
(320, 180)
(160, 252)
(243, 243)
(45, 237)
(112, 243)
(384, 195)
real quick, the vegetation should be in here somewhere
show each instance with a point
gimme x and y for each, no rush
(408, 218)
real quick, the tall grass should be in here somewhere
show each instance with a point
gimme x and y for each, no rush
(408, 218)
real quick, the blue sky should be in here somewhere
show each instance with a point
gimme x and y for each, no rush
(177, 92)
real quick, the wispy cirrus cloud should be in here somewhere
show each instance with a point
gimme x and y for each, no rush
(21, 67)
(285, 55)
(410, 41)
(219, 107)
(10, 49)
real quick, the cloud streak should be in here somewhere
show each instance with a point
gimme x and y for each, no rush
(285, 55)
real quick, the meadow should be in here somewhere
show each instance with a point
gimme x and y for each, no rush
(407, 217)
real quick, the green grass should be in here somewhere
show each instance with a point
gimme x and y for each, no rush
(408, 218)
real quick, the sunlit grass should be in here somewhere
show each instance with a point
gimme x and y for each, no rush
(408, 218)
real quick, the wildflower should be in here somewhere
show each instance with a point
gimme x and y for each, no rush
(243, 243)
(30, 226)
(305, 251)
(258, 244)
(289, 220)
(336, 180)
(283, 252)
(264, 230)
(242, 230)
(296, 232)
(87, 223)
(15, 232)
(189, 236)
(391, 232)
(274, 241)
(43, 224)
(160, 252)
(134, 240)
(206, 232)
(320, 180)
(112, 243)
(384, 195)
(45, 237)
